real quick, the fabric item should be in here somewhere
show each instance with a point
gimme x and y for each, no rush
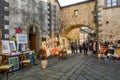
(48, 52)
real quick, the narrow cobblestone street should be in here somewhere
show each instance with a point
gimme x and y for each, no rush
(31, 29)
(76, 67)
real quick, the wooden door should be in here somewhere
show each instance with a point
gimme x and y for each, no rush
(33, 42)
(0, 41)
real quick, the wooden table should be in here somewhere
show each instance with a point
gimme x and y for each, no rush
(62, 54)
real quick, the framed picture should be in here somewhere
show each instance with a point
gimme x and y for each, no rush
(5, 46)
(12, 45)
(21, 47)
(21, 38)
(15, 61)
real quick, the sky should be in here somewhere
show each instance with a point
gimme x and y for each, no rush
(69, 2)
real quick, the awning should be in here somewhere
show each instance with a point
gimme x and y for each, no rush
(88, 30)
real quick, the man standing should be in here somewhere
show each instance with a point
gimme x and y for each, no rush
(85, 47)
(72, 48)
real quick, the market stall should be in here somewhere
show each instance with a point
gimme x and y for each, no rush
(12, 50)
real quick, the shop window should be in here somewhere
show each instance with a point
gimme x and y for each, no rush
(111, 3)
(76, 12)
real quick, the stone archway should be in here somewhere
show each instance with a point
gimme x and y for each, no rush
(84, 17)
(75, 33)
(68, 29)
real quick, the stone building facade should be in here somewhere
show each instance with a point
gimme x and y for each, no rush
(77, 16)
(33, 17)
(4, 21)
(26, 12)
(109, 20)
(38, 14)
(55, 19)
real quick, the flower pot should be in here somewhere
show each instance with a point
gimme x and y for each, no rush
(44, 64)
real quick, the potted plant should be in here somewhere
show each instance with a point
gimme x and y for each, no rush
(43, 58)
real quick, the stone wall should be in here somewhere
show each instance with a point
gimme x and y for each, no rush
(109, 22)
(26, 12)
(55, 18)
(84, 18)
(4, 18)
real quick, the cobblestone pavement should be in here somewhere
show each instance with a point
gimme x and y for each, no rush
(76, 67)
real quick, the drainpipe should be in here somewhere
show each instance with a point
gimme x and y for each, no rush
(96, 20)
(95, 13)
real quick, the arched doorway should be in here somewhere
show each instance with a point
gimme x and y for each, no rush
(0, 41)
(32, 37)
(77, 34)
